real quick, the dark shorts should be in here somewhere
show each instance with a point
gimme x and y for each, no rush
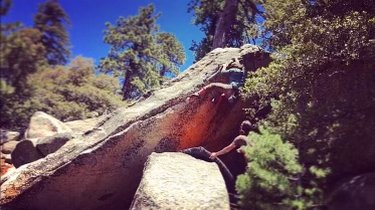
(236, 85)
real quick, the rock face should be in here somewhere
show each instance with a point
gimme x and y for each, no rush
(179, 181)
(357, 193)
(102, 168)
(81, 127)
(44, 125)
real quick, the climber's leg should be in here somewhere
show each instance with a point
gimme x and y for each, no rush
(203, 154)
(235, 94)
(199, 153)
(224, 90)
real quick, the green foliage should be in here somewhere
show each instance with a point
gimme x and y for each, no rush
(321, 85)
(21, 54)
(273, 177)
(206, 16)
(171, 54)
(68, 93)
(140, 53)
(29, 84)
(322, 76)
(51, 20)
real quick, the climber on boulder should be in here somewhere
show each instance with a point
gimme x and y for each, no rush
(238, 142)
(235, 72)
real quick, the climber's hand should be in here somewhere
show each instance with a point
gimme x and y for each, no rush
(213, 156)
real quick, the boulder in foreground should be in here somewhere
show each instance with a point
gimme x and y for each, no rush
(178, 181)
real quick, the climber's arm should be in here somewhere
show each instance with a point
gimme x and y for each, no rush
(223, 151)
(226, 66)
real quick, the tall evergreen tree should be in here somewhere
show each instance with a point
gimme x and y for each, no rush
(171, 54)
(222, 29)
(140, 53)
(4, 7)
(51, 20)
(225, 23)
(21, 53)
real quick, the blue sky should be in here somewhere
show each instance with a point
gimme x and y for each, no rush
(89, 16)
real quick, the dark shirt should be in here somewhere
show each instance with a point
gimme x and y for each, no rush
(236, 77)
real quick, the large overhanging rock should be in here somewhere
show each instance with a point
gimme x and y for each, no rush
(179, 181)
(102, 168)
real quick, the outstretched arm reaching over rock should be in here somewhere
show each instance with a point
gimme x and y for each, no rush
(223, 151)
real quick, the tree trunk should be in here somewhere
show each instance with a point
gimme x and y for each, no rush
(227, 18)
(126, 88)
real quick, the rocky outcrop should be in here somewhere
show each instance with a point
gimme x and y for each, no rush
(356, 193)
(80, 127)
(8, 147)
(6, 136)
(51, 144)
(102, 168)
(8, 142)
(179, 181)
(43, 125)
(44, 135)
(27, 151)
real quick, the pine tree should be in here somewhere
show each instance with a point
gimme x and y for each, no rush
(51, 20)
(140, 53)
(225, 23)
(171, 54)
(227, 18)
(21, 54)
(4, 7)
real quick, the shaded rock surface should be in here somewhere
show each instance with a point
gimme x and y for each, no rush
(179, 181)
(356, 193)
(43, 125)
(25, 152)
(51, 144)
(102, 168)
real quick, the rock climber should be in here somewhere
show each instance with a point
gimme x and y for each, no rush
(238, 142)
(235, 72)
